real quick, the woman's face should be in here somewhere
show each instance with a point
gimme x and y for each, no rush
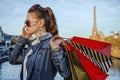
(32, 23)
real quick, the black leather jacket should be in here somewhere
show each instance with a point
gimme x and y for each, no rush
(43, 63)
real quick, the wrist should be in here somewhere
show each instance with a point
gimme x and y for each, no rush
(21, 41)
(26, 37)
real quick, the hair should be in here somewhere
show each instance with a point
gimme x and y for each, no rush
(47, 14)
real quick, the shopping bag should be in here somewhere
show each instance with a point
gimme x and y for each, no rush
(77, 70)
(99, 46)
(93, 71)
(98, 52)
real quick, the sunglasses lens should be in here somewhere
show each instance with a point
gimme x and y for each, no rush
(27, 23)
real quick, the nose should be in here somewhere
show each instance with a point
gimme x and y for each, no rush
(25, 25)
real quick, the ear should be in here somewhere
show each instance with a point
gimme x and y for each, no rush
(41, 22)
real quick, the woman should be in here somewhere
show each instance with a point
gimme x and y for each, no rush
(43, 57)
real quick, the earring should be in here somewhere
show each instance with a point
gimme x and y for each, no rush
(40, 29)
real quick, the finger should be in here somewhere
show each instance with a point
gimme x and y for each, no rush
(53, 38)
(25, 29)
(58, 37)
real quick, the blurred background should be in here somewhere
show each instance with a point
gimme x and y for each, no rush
(93, 19)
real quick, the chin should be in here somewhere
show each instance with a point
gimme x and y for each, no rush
(28, 32)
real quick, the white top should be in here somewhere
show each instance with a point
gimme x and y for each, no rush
(25, 60)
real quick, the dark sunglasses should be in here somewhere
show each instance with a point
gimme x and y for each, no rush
(28, 23)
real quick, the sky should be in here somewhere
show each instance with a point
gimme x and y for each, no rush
(74, 17)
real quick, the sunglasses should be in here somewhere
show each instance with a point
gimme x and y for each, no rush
(28, 23)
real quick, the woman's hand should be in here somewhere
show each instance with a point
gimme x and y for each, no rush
(25, 34)
(56, 41)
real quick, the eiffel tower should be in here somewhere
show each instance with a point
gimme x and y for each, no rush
(95, 34)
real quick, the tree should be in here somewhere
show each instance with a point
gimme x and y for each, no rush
(114, 39)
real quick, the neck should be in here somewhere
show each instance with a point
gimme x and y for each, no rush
(39, 33)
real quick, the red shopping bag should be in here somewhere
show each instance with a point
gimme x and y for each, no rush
(93, 71)
(94, 50)
(99, 46)
(93, 55)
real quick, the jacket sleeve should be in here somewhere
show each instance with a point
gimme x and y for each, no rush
(61, 62)
(17, 55)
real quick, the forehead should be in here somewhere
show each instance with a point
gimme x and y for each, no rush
(31, 15)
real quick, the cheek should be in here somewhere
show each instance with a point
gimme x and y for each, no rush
(34, 29)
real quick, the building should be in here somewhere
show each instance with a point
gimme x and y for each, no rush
(95, 33)
(1, 34)
(5, 39)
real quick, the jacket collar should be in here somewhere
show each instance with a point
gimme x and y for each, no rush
(41, 38)
(45, 36)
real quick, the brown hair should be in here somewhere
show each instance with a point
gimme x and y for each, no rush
(47, 14)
